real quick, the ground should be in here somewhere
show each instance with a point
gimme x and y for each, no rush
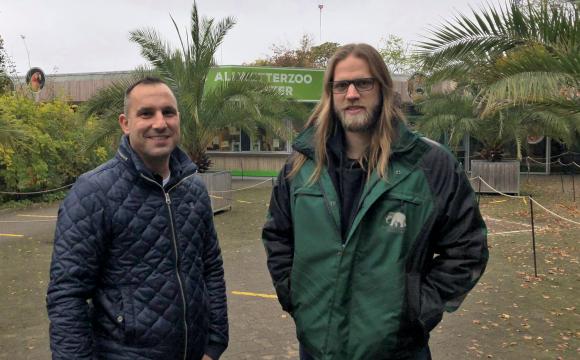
(511, 314)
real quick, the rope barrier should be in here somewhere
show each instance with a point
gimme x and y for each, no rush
(270, 179)
(534, 159)
(570, 164)
(559, 161)
(528, 158)
(35, 192)
(565, 153)
(69, 185)
(241, 189)
(524, 197)
(553, 213)
(499, 192)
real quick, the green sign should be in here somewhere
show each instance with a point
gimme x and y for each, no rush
(297, 84)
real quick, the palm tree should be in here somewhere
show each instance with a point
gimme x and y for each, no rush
(522, 64)
(515, 55)
(449, 116)
(102, 111)
(452, 115)
(242, 102)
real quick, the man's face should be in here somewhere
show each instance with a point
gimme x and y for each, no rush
(356, 109)
(152, 122)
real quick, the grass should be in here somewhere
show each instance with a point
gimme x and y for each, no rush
(254, 173)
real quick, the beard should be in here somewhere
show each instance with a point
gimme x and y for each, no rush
(363, 122)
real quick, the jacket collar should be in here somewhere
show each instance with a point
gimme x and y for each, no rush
(179, 163)
(304, 142)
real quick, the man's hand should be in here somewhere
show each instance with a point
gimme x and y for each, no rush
(206, 357)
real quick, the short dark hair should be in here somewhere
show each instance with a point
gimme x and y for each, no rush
(147, 80)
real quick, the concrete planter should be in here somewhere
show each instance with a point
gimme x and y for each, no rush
(503, 176)
(219, 186)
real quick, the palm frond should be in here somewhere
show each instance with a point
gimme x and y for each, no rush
(523, 88)
(184, 46)
(243, 102)
(104, 108)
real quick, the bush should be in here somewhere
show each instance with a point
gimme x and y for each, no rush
(49, 149)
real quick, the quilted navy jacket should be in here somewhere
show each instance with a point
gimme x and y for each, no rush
(137, 271)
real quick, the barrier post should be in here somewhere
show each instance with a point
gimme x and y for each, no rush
(242, 167)
(573, 185)
(528, 163)
(533, 235)
(478, 189)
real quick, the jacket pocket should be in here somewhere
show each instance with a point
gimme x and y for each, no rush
(308, 190)
(283, 292)
(414, 306)
(431, 308)
(424, 304)
(108, 315)
(126, 317)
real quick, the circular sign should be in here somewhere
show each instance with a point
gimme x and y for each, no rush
(535, 139)
(35, 79)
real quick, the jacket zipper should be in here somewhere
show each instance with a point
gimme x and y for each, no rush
(176, 251)
(358, 207)
(341, 253)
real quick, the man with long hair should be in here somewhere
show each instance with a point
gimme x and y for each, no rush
(372, 231)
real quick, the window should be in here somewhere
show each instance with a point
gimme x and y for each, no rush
(234, 140)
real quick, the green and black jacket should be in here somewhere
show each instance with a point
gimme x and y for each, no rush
(416, 246)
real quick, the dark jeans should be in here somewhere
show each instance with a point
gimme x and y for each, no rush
(424, 354)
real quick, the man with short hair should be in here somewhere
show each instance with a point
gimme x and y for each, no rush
(137, 271)
(372, 231)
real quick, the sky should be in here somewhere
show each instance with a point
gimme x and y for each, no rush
(74, 36)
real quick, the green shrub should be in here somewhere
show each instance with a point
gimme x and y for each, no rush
(42, 146)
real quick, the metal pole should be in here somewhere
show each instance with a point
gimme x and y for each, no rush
(320, 6)
(548, 155)
(528, 163)
(27, 52)
(478, 190)
(242, 166)
(533, 235)
(573, 184)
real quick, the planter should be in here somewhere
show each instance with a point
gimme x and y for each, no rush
(503, 176)
(219, 186)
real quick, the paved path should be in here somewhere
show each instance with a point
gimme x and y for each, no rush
(259, 329)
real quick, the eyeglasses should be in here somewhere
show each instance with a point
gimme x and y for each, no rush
(340, 87)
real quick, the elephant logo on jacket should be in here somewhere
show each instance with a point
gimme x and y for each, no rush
(396, 222)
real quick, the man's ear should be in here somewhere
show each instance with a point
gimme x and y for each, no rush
(124, 122)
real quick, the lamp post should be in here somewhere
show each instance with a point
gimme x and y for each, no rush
(320, 6)
(26, 47)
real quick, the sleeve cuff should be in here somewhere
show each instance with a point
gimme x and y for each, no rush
(215, 350)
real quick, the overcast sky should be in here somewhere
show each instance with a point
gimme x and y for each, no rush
(72, 36)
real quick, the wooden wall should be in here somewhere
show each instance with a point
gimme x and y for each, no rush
(503, 176)
(80, 87)
(248, 161)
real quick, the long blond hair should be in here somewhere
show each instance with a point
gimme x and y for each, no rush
(323, 117)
